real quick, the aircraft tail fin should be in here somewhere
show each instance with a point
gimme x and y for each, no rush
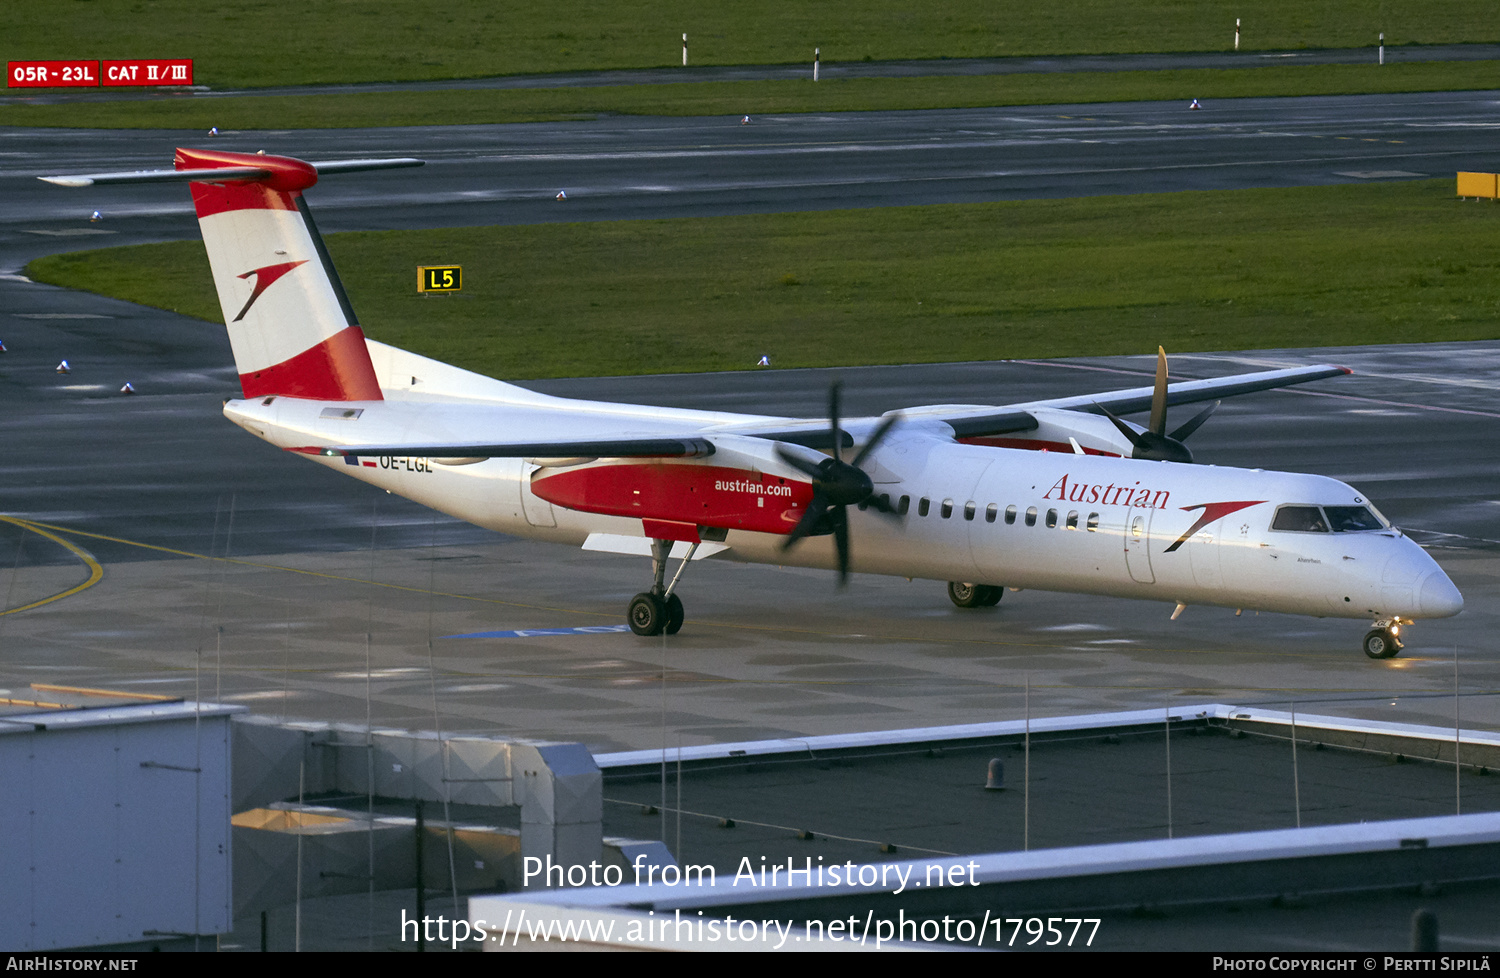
(291, 327)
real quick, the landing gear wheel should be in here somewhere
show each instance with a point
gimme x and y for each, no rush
(1381, 644)
(674, 615)
(963, 595)
(647, 614)
(974, 595)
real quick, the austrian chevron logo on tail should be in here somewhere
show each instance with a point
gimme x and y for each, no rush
(1211, 512)
(264, 276)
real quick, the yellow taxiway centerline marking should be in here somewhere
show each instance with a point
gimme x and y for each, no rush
(96, 572)
(38, 527)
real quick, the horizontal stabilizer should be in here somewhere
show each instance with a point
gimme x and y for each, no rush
(225, 174)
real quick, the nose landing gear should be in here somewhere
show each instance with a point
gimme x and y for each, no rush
(659, 610)
(1383, 640)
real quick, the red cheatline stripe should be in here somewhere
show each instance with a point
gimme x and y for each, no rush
(337, 369)
(215, 198)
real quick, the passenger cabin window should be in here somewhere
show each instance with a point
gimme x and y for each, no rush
(1073, 520)
(1300, 519)
(923, 505)
(947, 508)
(1051, 518)
(1093, 523)
(990, 512)
(1031, 516)
(903, 505)
(969, 510)
(1010, 515)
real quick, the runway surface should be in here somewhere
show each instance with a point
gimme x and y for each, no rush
(633, 167)
(766, 652)
(830, 69)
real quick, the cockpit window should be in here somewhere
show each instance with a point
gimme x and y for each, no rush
(1344, 518)
(1323, 519)
(1303, 519)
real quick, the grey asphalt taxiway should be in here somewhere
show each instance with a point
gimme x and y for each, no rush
(317, 563)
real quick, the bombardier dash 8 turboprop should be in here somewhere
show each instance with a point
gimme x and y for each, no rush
(1056, 494)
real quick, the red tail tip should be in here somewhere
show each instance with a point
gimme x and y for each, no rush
(286, 174)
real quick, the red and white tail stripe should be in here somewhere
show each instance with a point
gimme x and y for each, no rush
(290, 325)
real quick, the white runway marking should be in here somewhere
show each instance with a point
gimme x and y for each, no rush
(59, 315)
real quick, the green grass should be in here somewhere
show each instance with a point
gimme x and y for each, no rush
(261, 42)
(460, 107)
(1373, 263)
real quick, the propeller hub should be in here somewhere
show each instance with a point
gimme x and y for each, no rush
(1154, 444)
(1161, 448)
(841, 484)
(836, 484)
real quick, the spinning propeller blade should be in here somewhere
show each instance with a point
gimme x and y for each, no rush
(1154, 443)
(837, 485)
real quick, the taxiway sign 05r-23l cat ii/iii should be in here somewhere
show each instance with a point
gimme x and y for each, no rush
(958, 493)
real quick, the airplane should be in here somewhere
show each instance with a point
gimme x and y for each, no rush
(1058, 494)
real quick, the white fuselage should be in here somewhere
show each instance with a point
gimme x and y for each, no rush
(997, 510)
(1096, 524)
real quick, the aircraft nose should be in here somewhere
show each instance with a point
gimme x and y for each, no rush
(1438, 598)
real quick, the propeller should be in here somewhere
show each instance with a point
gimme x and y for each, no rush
(837, 485)
(1154, 443)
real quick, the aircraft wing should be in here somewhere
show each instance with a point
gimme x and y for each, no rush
(812, 434)
(978, 421)
(668, 447)
(967, 421)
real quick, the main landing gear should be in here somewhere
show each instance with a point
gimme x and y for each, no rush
(974, 595)
(659, 610)
(1383, 640)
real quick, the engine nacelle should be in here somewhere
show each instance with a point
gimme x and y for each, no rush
(743, 486)
(1095, 434)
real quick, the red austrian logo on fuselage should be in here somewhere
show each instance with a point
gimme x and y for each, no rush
(1211, 512)
(1134, 495)
(264, 276)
